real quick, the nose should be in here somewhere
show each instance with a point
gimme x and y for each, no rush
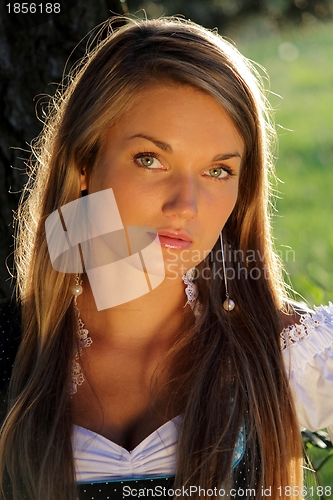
(181, 199)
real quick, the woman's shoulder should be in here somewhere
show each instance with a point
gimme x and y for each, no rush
(300, 322)
(307, 349)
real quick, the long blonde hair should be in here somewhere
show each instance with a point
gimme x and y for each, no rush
(233, 373)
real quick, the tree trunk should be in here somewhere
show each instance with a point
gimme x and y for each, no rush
(34, 48)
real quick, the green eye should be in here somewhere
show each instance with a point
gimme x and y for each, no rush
(147, 161)
(217, 172)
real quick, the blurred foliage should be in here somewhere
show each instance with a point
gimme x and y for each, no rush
(222, 13)
(298, 62)
(318, 450)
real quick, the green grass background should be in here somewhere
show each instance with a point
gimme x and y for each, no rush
(301, 72)
(303, 224)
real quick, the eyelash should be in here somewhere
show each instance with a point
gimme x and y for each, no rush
(137, 156)
(226, 169)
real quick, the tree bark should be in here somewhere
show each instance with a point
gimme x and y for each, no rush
(34, 48)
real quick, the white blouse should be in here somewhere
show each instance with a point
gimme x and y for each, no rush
(308, 355)
(98, 458)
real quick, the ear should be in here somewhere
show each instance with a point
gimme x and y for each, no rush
(84, 179)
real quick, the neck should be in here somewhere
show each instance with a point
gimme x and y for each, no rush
(156, 317)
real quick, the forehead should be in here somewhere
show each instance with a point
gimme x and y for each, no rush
(175, 113)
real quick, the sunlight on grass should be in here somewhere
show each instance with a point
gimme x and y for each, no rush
(304, 78)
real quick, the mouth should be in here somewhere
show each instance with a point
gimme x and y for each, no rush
(176, 240)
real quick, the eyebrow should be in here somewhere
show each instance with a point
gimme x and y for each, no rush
(166, 147)
(226, 156)
(159, 144)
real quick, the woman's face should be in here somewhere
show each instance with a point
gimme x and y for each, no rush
(173, 162)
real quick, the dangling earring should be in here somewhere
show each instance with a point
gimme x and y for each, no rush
(77, 288)
(228, 304)
(191, 289)
(83, 339)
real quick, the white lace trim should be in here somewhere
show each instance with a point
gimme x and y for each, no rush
(191, 290)
(84, 341)
(308, 322)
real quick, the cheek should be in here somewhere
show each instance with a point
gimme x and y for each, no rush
(105, 177)
(219, 207)
(136, 206)
(231, 199)
(213, 220)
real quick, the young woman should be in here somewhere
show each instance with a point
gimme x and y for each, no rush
(202, 382)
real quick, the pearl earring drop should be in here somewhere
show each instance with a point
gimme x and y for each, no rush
(77, 288)
(228, 304)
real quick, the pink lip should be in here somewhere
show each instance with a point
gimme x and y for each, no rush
(174, 234)
(177, 240)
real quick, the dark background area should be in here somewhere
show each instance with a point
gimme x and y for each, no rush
(35, 47)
